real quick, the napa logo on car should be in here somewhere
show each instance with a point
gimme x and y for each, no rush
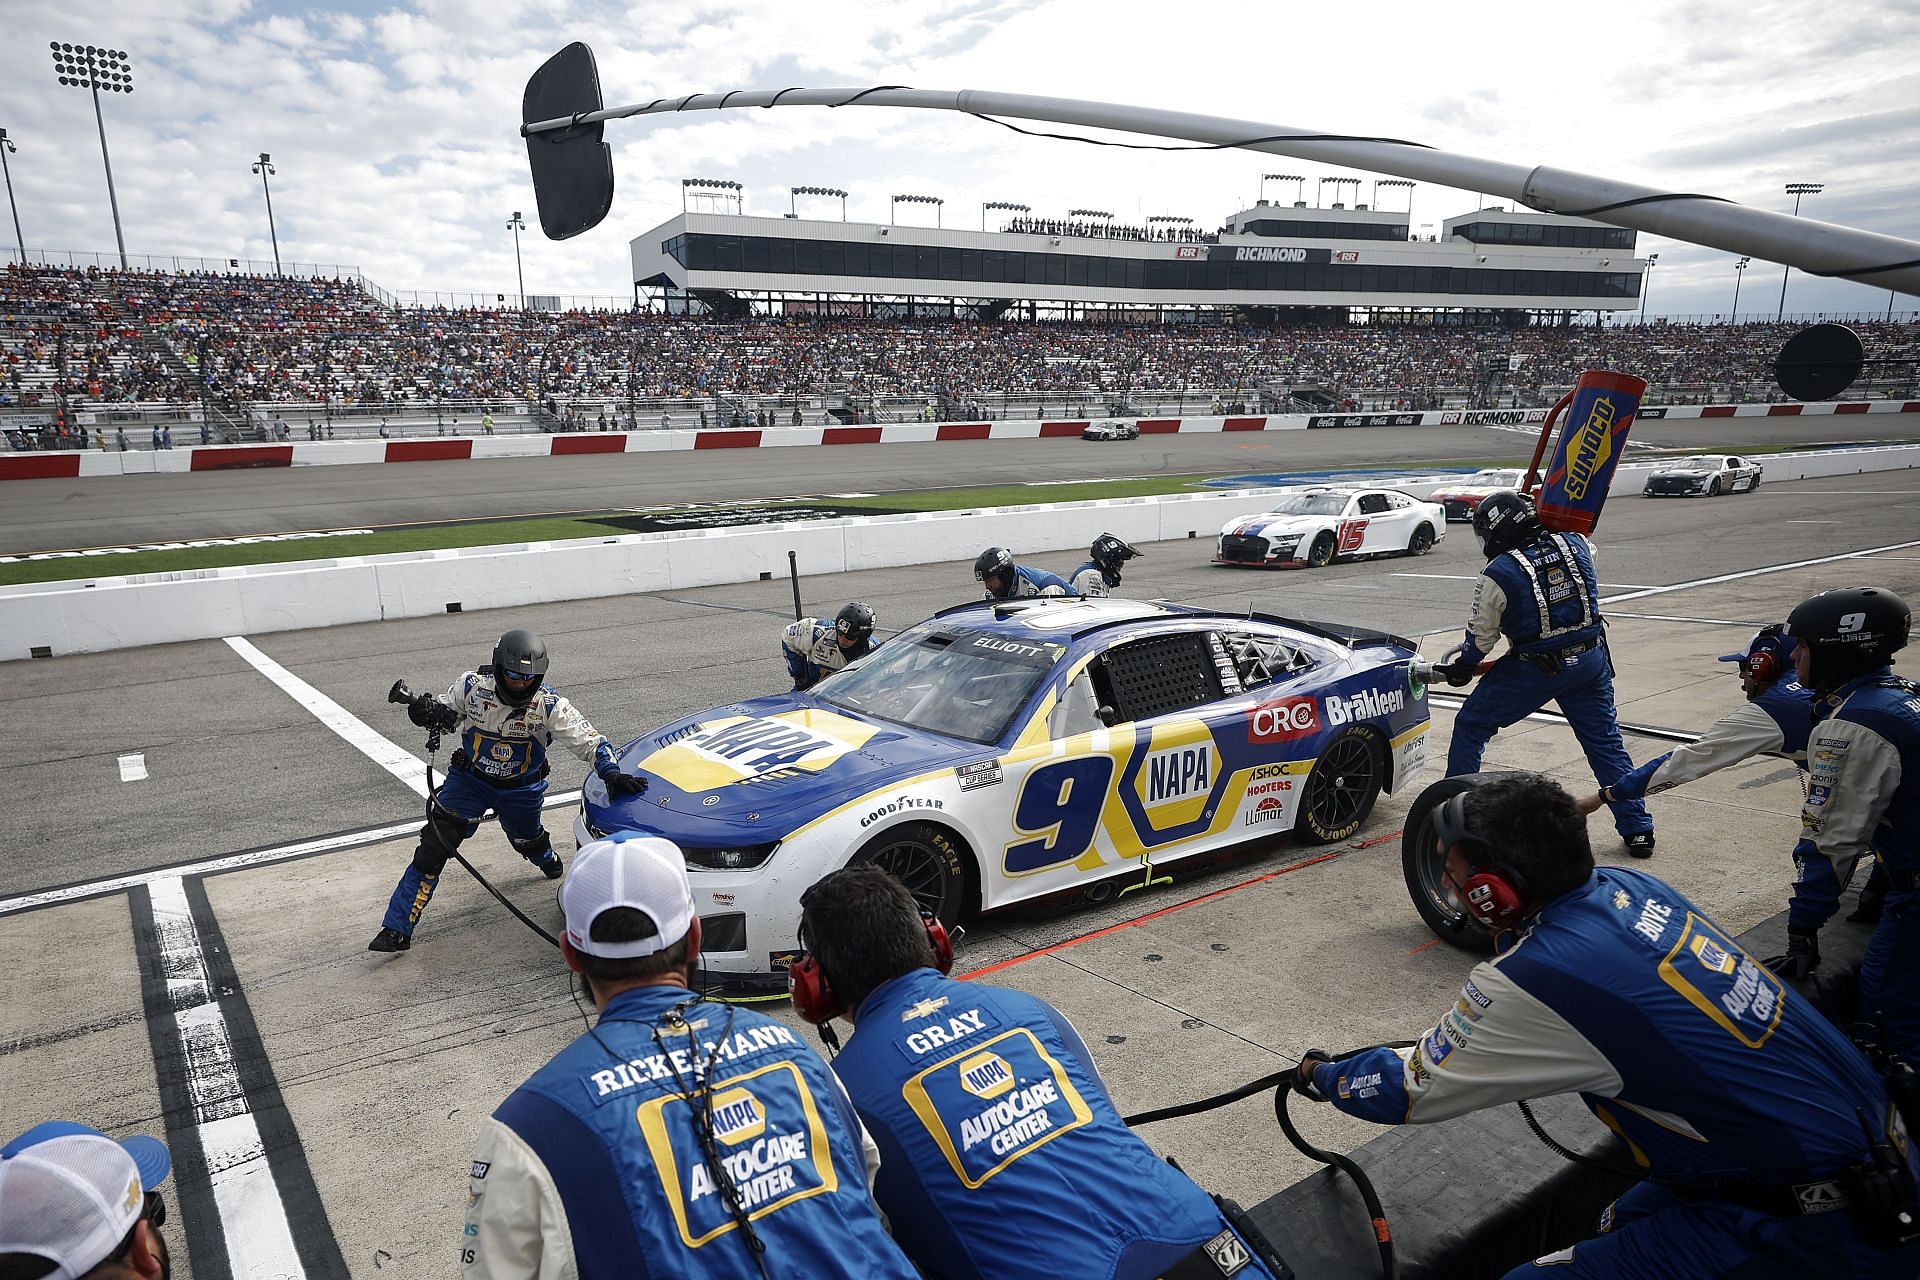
(1176, 776)
(744, 747)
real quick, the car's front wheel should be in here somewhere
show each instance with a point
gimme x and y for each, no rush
(1425, 868)
(1320, 554)
(1713, 489)
(1422, 540)
(927, 860)
(1341, 789)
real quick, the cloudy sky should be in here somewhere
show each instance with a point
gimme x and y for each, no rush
(392, 122)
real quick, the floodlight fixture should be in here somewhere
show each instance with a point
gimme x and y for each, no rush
(6, 149)
(794, 194)
(1796, 190)
(264, 166)
(517, 224)
(935, 201)
(94, 68)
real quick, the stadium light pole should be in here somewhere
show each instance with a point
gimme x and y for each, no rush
(1796, 190)
(935, 201)
(264, 166)
(794, 194)
(1646, 282)
(90, 67)
(517, 224)
(1400, 183)
(19, 241)
(1008, 205)
(1739, 270)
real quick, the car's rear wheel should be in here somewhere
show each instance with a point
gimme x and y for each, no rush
(1753, 484)
(1425, 868)
(1341, 789)
(1422, 540)
(1320, 554)
(927, 860)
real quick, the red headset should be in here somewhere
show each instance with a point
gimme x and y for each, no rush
(1495, 896)
(1764, 661)
(812, 990)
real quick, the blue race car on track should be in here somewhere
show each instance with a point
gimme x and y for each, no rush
(1008, 750)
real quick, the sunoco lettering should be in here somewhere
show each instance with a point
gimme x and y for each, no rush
(1012, 1120)
(1592, 446)
(958, 1027)
(664, 1066)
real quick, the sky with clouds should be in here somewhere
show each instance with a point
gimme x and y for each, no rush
(392, 123)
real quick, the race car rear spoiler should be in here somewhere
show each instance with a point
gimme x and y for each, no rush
(1352, 636)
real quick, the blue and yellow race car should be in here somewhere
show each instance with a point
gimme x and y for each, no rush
(1003, 751)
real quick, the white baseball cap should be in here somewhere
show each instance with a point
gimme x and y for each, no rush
(646, 873)
(69, 1193)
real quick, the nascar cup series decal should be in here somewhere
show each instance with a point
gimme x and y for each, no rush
(742, 747)
(994, 1102)
(771, 1141)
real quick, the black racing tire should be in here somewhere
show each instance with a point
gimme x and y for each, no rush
(1425, 868)
(1320, 554)
(928, 860)
(1713, 487)
(1754, 485)
(1341, 790)
(1422, 540)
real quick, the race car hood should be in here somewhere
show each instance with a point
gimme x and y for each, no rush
(1463, 491)
(753, 771)
(1268, 525)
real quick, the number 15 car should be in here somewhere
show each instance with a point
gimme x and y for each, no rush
(1003, 751)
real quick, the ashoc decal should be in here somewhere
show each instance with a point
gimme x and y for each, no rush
(892, 807)
(1283, 720)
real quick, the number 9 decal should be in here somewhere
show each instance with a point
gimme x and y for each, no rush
(1060, 802)
(1852, 622)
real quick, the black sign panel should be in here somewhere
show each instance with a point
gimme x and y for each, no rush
(1321, 421)
(1644, 412)
(1267, 253)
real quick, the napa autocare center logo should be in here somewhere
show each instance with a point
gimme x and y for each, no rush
(1591, 446)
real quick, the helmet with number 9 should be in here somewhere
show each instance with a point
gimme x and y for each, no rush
(995, 569)
(1505, 520)
(853, 626)
(1109, 553)
(1849, 632)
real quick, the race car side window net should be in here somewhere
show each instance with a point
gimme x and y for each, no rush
(1262, 659)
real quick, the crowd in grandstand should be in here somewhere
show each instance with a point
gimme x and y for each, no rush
(1107, 229)
(104, 337)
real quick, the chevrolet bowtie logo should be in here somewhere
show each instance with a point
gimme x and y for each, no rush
(924, 1008)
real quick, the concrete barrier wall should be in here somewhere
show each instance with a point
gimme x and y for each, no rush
(126, 612)
(355, 452)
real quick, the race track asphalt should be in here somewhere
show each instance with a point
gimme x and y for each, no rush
(61, 514)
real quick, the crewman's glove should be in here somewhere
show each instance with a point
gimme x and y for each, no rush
(1303, 1075)
(1458, 675)
(1802, 957)
(621, 785)
(429, 712)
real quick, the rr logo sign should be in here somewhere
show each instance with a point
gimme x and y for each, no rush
(1283, 720)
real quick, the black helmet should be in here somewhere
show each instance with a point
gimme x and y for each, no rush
(519, 659)
(996, 562)
(1505, 520)
(1849, 632)
(855, 620)
(1109, 553)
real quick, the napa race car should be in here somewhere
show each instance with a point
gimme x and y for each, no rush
(1708, 475)
(1315, 526)
(1111, 429)
(1462, 498)
(1003, 751)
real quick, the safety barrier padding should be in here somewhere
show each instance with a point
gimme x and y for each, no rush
(850, 435)
(1472, 1197)
(727, 440)
(427, 450)
(241, 456)
(39, 466)
(1053, 430)
(589, 444)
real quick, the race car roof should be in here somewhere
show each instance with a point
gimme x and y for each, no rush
(1056, 617)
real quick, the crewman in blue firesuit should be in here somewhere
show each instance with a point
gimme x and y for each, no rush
(1003, 1158)
(1005, 580)
(1863, 796)
(1101, 573)
(506, 717)
(816, 647)
(1539, 590)
(1769, 1145)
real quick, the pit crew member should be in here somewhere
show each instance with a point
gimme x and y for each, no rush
(1611, 984)
(676, 1137)
(816, 647)
(1863, 793)
(1539, 590)
(1005, 580)
(996, 1134)
(1101, 574)
(506, 718)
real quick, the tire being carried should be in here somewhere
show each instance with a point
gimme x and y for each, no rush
(927, 860)
(1425, 868)
(1342, 788)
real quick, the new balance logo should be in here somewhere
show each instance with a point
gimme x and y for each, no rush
(1227, 1253)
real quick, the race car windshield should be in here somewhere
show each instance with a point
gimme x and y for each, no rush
(963, 684)
(1693, 464)
(1504, 479)
(1311, 504)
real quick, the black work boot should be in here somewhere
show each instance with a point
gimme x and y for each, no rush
(390, 940)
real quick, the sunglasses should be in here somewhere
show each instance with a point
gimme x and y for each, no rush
(154, 1211)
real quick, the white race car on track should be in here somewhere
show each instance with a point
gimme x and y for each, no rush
(1708, 474)
(1111, 429)
(1313, 527)
(1463, 498)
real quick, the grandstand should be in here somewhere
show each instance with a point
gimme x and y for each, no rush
(252, 356)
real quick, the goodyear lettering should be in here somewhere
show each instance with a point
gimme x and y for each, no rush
(760, 745)
(1368, 704)
(1653, 920)
(1592, 445)
(960, 1026)
(1011, 1122)
(900, 805)
(1183, 771)
(665, 1066)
